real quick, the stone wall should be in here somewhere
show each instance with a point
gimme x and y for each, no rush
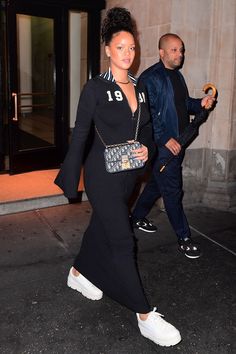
(208, 29)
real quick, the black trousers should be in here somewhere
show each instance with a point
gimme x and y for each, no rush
(107, 256)
(167, 184)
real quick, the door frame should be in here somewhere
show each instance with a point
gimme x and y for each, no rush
(60, 10)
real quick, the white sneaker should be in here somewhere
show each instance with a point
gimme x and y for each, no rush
(158, 330)
(84, 286)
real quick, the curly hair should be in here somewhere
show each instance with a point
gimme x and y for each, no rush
(117, 19)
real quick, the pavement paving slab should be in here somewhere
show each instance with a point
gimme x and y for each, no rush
(40, 314)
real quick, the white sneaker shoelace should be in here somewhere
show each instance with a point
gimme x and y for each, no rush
(158, 330)
(158, 318)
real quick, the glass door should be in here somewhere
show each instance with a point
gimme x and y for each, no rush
(36, 91)
(34, 102)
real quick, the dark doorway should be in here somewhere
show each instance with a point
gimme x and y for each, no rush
(40, 80)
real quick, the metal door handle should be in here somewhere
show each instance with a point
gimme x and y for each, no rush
(15, 118)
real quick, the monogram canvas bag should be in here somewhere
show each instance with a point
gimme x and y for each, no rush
(119, 157)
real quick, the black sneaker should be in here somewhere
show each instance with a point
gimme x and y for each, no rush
(144, 225)
(189, 248)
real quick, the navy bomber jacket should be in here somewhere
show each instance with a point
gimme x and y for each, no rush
(162, 104)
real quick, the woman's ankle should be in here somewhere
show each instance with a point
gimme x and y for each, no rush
(143, 316)
(75, 272)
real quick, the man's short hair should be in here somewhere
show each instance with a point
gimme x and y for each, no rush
(165, 37)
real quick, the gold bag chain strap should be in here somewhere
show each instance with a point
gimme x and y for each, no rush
(121, 144)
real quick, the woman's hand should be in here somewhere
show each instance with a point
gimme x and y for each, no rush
(141, 153)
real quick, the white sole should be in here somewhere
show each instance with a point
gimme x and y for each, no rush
(167, 343)
(140, 228)
(186, 255)
(192, 257)
(75, 286)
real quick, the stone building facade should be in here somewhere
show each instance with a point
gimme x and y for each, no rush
(208, 29)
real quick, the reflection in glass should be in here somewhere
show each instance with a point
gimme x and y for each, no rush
(36, 104)
(78, 22)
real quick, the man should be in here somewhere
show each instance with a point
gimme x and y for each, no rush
(170, 106)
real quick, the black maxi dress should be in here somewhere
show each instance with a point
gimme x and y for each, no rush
(106, 256)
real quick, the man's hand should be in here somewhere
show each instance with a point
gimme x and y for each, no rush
(173, 146)
(208, 102)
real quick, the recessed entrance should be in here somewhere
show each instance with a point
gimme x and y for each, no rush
(50, 51)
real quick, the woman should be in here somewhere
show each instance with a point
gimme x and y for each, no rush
(112, 103)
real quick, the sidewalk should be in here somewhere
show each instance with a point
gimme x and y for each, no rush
(31, 190)
(40, 314)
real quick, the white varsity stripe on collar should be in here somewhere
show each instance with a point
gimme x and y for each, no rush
(108, 76)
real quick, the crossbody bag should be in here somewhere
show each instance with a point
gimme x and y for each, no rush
(119, 157)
